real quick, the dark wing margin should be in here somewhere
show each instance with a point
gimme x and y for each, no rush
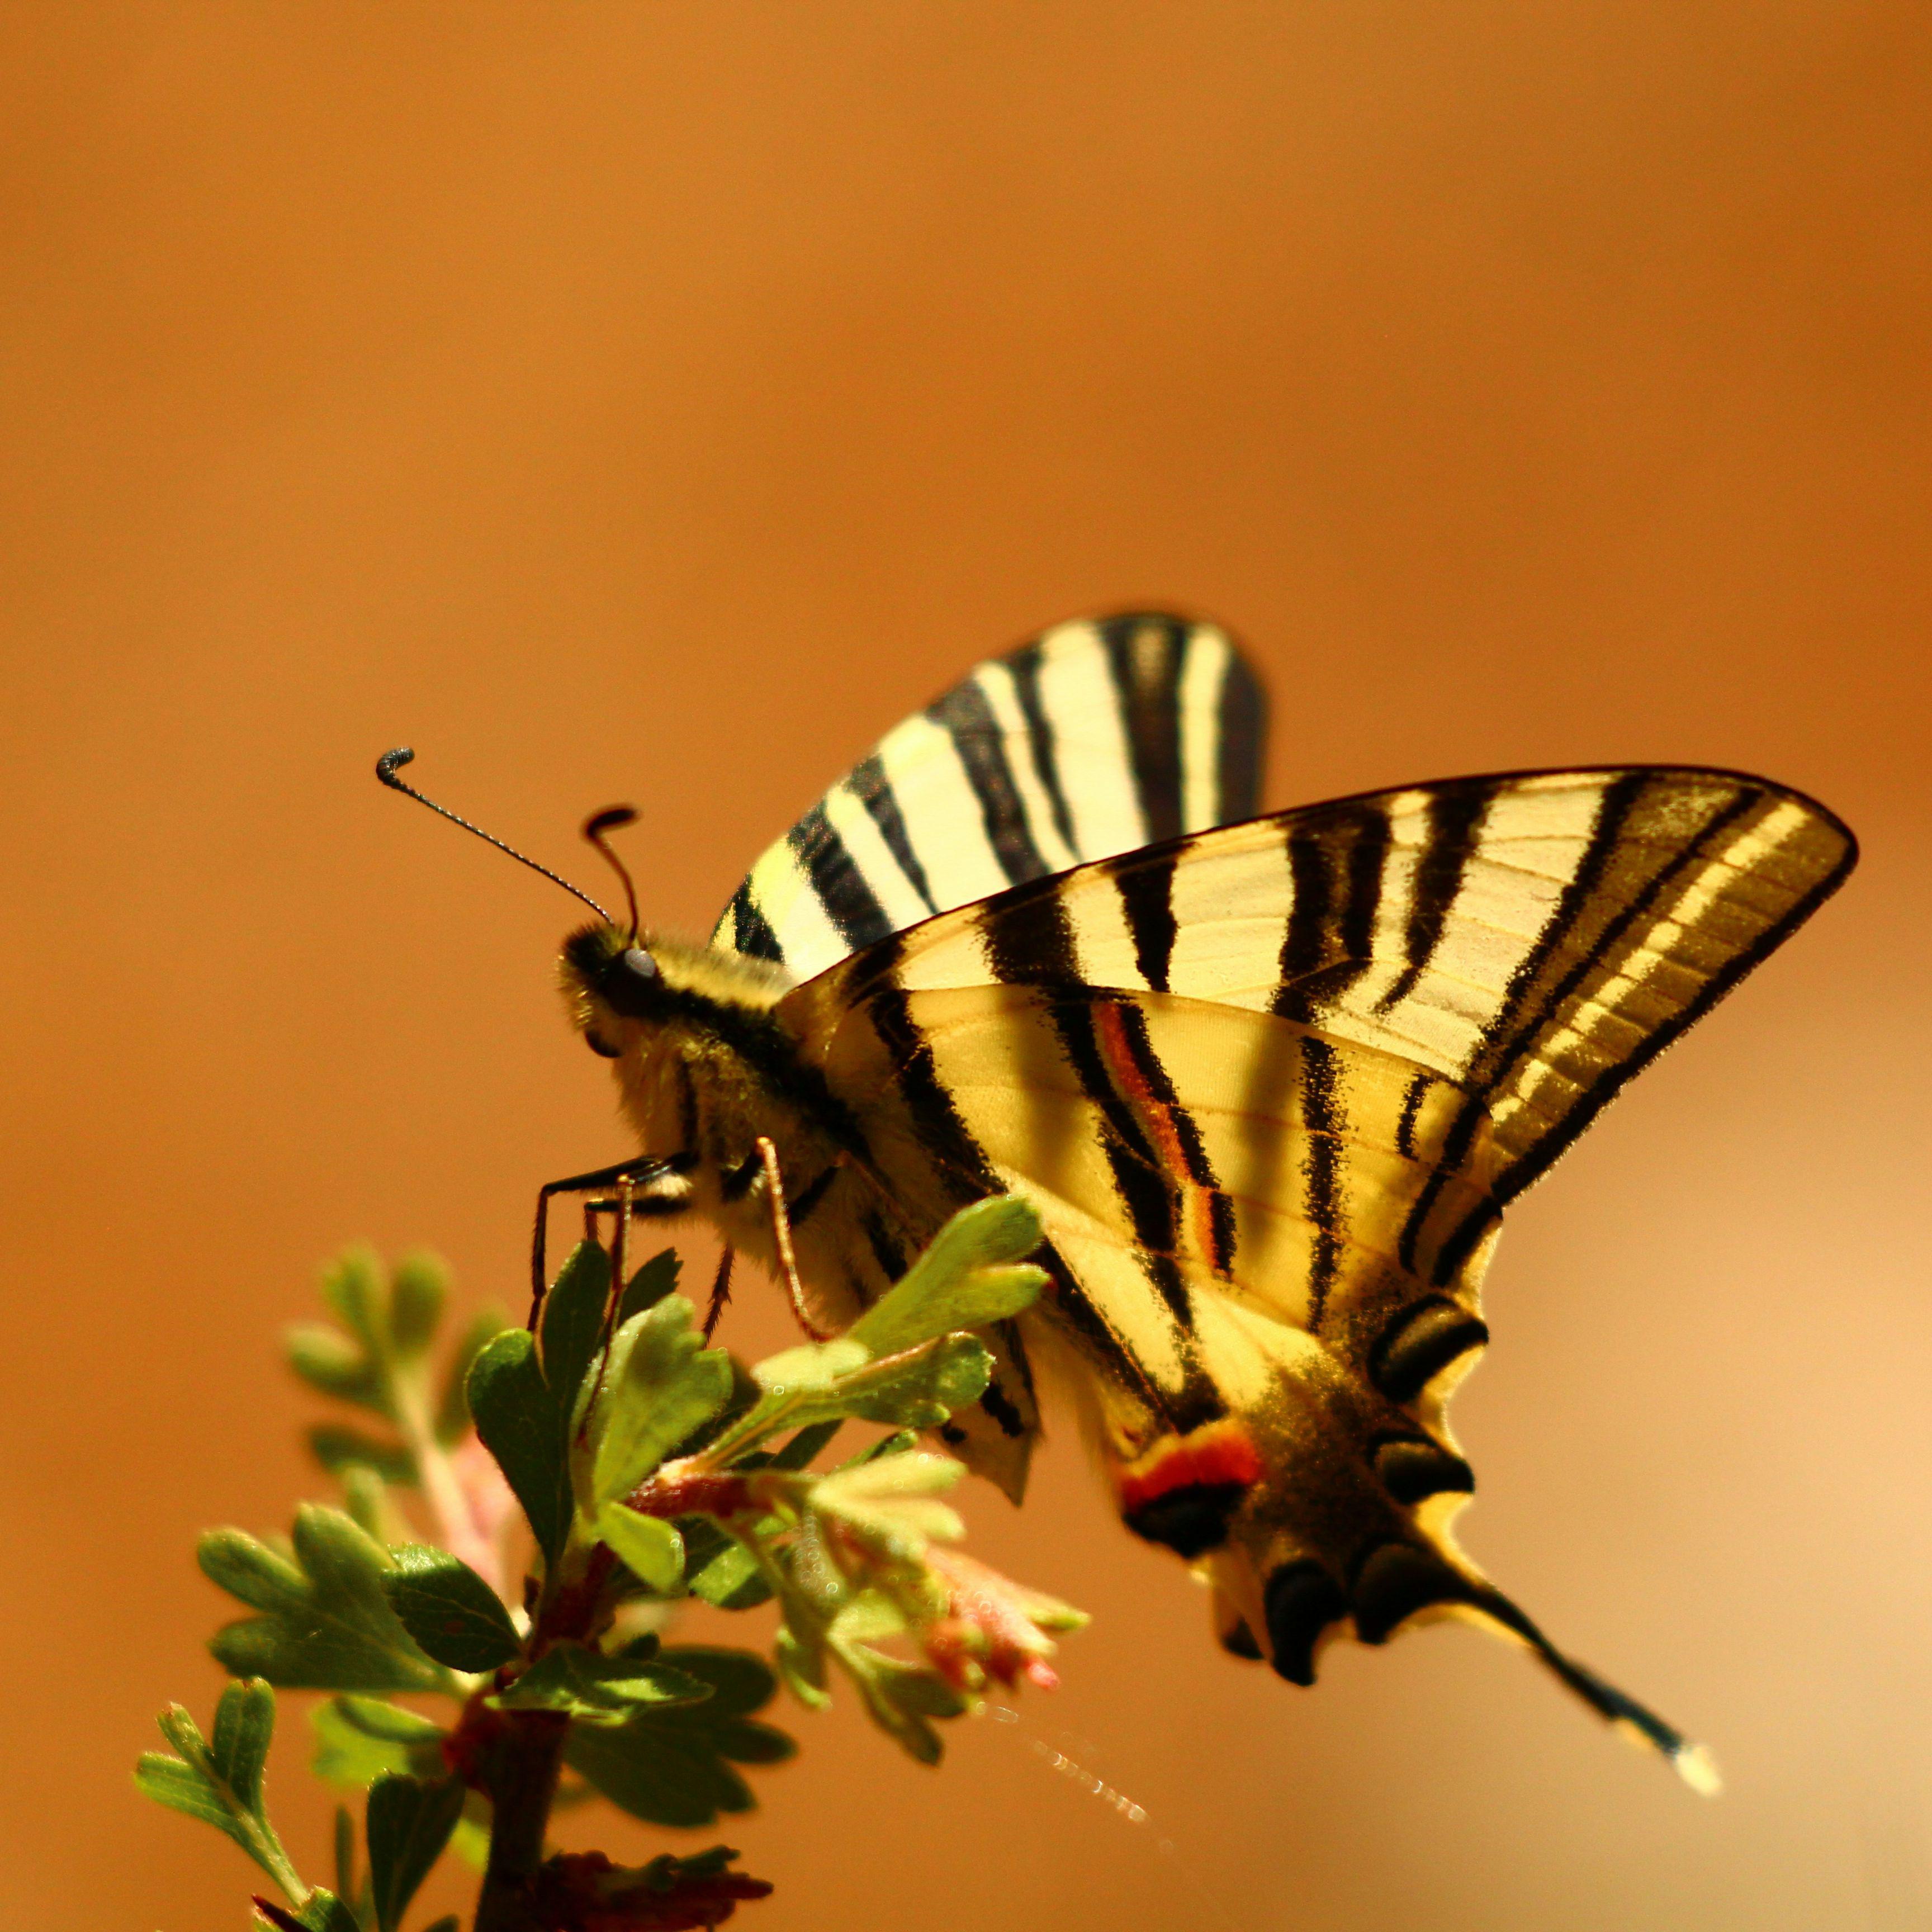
(1099, 737)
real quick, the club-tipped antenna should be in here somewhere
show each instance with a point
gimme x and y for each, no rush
(391, 763)
(595, 829)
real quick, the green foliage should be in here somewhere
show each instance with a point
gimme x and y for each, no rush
(651, 1549)
(359, 1739)
(646, 1465)
(410, 1822)
(673, 1766)
(661, 1384)
(453, 1615)
(220, 1780)
(326, 1623)
(594, 1689)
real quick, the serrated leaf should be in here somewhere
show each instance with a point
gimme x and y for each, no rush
(963, 1281)
(662, 1384)
(673, 1767)
(330, 1628)
(649, 1547)
(453, 1614)
(419, 1288)
(337, 1447)
(517, 1421)
(221, 1782)
(651, 1283)
(593, 1689)
(452, 1412)
(408, 1823)
(573, 1323)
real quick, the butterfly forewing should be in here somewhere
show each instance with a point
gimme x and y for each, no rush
(1100, 736)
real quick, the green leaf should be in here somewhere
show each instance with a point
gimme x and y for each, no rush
(662, 1384)
(651, 1283)
(648, 1546)
(328, 1361)
(337, 1447)
(408, 1823)
(352, 1285)
(920, 1389)
(719, 1568)
(812, 1366)
(359, 1738)
(573, 1323)
(452, 1412)
(597, 1690)
(960, 1282)
(244, 1721)
(795, 1454)
(366, 1501)
(345, 1853)
(221, 1782)
(672, 1766)
(517, 1421)
(328, 1624)
(452, 1613)
(893, 1503)
(418, 1287)
(323, 1911)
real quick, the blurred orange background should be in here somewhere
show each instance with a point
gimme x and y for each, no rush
(657, 402)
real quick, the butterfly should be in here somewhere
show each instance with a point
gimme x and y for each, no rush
(1269, 1080)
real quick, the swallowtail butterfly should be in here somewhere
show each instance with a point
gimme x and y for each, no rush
(1269, 1081)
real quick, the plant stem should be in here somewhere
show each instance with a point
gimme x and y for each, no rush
(455, 1522)
(522, 1787)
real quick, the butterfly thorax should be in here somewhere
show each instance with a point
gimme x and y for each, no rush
(705, 1067)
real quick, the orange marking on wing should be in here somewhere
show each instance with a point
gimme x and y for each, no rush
(1155, 1117)
(1217, 1453)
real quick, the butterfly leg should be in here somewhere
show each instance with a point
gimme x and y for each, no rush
(721, 1293)
(768, 1156)
(642, 1169)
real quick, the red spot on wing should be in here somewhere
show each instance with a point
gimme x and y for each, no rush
(1218, 1453)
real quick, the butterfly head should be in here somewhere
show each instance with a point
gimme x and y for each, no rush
(626, 989)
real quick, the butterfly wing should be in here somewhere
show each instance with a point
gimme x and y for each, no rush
(1271, 1086)
(1099, 737)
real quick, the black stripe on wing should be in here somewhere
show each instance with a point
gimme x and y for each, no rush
(966, 717)
(849, 903)
(873, 790)
(1145, 652)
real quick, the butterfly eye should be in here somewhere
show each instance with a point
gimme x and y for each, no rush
(601, 1047)
(631, 983)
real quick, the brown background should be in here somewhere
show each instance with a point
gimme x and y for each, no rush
(657, 401)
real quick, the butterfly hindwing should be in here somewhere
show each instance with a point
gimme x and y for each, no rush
(1100, 736)
(1269, 1086)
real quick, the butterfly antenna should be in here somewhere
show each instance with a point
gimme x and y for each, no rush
(391, 763)
(596, 828)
